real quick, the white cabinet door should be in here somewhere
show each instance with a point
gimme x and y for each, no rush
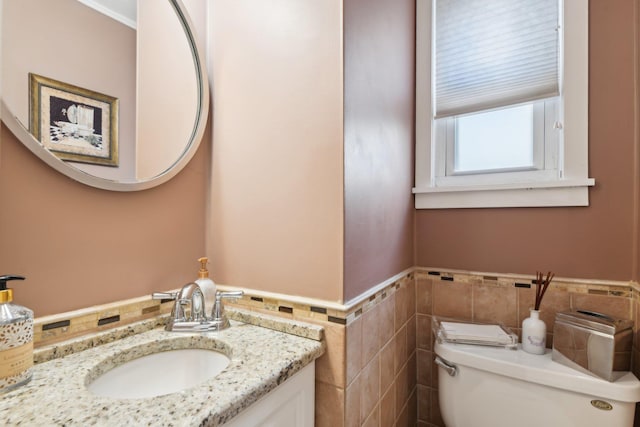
(291, 404)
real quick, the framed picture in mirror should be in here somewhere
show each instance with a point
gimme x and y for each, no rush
(74, 123)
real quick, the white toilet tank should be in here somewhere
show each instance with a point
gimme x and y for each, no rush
(497, 387)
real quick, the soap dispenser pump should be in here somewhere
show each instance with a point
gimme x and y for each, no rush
(16, 345)
(207, 286)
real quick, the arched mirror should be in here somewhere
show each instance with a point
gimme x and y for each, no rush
(110, 94)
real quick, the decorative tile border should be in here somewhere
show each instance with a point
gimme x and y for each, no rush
(578, 286)
(331, 312)
(64, 326)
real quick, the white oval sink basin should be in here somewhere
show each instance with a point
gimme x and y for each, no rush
(158, 374)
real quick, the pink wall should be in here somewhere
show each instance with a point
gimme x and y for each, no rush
(277, 179)
(277, 218)
(599, 241)
(379, 74)
(79, 246)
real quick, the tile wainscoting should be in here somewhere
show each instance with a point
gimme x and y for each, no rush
(504, 298)
(378, 366)
(367, 376)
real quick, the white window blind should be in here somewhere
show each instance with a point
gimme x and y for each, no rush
(491, 54)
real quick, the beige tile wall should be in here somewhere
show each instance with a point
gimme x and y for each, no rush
(367, 376)
(506, 300)
(378, 366)
(376, 384)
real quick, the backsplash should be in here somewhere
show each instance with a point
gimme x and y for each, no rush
(59, 327)
(367, 376)
(378, 366)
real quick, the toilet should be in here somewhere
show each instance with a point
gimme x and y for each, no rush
(481, 386)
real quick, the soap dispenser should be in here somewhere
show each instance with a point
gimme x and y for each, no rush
(16, 339)
(207, 286)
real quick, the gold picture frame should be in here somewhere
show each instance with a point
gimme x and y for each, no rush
(75, 124)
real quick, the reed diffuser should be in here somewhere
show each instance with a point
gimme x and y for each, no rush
(534, 330)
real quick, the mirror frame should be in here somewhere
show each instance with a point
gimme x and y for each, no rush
(23, 134)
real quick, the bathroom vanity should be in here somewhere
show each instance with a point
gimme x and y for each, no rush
(270, 376)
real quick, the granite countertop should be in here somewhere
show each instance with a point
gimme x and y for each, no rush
(261, 359)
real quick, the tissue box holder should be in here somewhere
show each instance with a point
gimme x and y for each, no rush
(592, 343)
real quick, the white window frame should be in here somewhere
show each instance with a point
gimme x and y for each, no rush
(566, 186)
(545, 153)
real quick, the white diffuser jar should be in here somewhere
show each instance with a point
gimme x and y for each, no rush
(534, 333)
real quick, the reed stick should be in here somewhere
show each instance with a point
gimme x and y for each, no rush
(542, 284)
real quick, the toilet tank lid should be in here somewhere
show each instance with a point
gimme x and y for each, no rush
(539, 369)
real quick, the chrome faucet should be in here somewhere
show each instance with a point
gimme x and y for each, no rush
(190, 295)
(189, 311)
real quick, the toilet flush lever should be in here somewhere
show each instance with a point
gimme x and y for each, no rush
(447, 366)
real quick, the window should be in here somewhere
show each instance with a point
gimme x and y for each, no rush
(497, 124)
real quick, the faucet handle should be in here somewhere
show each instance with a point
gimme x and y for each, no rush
(229, 294)
(218, 310)
(164, 295)
(177, 312)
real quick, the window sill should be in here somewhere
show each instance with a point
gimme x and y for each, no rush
(534, 194)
